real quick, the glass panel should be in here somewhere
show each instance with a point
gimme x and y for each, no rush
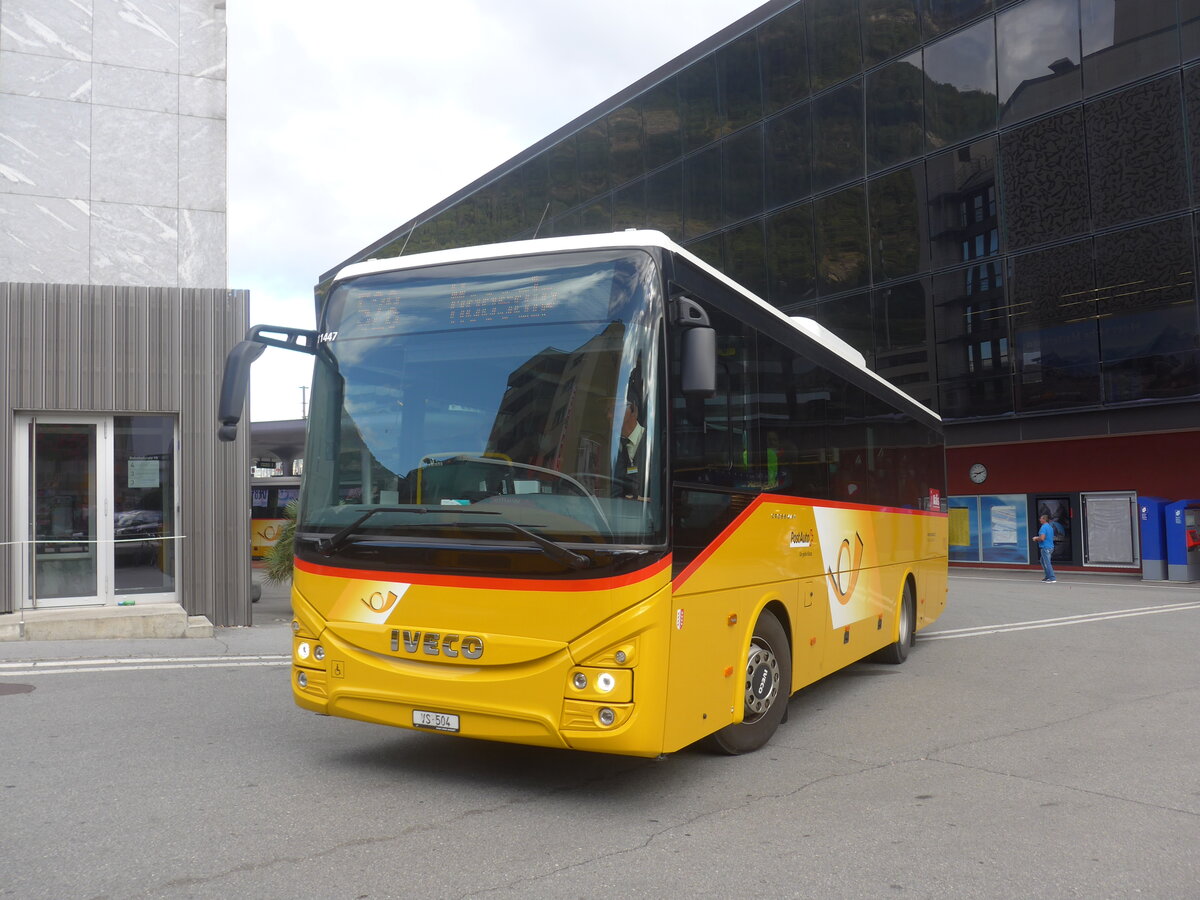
(901, 338)
(592, 147)
(741, 94)
(1055, 327)
(1038, 55)
(535, 185)
(664, 202)
(1148, 325)
(960, 92)
(625, 144)
(144, 504)
(895, 113)
(784, 53)
(970, 398)
(1124, 41)
(789, 156)
(596, 218)
(742, 162)
(1191, 96)
(698, 101)
(850, 319)
(64, 511)
(629, 206)
(834, 41)
(660, 119)
(702, 192)
(964, 529)
(944, 15)
(562, 176)
(791, 265)
(889, 27)
(711, 250)
(1144, 123)
(971, 329)
(1189, 27)
(745, 257)
(842, 260)
(838, 136)
(1045, 180)
(898, 242)
(963, 203)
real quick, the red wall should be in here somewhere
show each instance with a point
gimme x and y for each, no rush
(1154, 465)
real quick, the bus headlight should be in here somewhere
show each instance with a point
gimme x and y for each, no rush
(303, 650)
(605, 682)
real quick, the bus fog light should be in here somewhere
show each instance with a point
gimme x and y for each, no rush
(319, 653)
(302, 650)
(580, 681)
(606, 716)
(605, 682)
(620, 657)
(302, 680)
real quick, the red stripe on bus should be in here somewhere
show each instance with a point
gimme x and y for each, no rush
(497, 584)
(733, 526)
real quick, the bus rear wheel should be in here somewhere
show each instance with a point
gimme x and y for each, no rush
(897, 652)
(768, 687)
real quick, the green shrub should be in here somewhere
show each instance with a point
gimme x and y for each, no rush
(282, 555)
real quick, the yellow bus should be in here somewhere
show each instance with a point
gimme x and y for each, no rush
(269, 498)
(589, 493)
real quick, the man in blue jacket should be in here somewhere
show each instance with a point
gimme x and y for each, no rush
(1045, 540)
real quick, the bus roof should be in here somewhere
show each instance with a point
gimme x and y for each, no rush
(632, 238)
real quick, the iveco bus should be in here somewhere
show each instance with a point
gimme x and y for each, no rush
(587, 492)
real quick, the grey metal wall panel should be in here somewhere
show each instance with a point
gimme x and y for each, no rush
(113, 350)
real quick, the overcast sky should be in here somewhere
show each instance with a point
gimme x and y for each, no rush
(346, 120)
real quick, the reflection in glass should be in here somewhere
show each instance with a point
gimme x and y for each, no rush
(838, 136)
(783, 49)
(944, 15)
(791, 265)
(900, 316)
(629, 206)
(1189, 28)
(741, 93)
(625, 144)
(144, 510)
(746, 257)
(742, 174)
(1149, 332)
(834, 41)
(661, 123)
(889, 27)
(1124, 41)
(1045, 177)
(1191, 97)
(64, 511)
(664, 201)
(841, 228)
(1038, 56)
(963, 203)
(702, 192)
(895, 113)
(596, 218)
(1143, 123)
(971, 329)
(562, 176)
(898, 242)
(1055, 328)
(850, 319)
(698, 103)
(594, 165)
(789, 156)
(960, 89)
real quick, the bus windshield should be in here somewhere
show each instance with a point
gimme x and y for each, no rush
(508, 403)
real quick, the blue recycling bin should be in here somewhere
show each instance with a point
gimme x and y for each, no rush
(1182, 526)
(1151, 516)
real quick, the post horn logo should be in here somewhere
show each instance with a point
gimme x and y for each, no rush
(845, 591)
(379, 603)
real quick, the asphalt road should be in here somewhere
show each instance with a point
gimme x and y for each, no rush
(1041, 741)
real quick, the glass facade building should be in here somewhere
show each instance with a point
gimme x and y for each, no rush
(995, 201)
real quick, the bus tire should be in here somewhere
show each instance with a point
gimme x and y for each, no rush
(897, 651)
(768, 688)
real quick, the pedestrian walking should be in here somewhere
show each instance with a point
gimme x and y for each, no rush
(1045, 541)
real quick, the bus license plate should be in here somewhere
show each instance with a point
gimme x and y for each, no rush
(435, 720)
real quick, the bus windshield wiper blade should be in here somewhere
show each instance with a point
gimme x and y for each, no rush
(326, 546)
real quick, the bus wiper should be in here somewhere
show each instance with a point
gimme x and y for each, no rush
(326, 546)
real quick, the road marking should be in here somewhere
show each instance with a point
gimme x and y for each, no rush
(981, 630)
(26, 668)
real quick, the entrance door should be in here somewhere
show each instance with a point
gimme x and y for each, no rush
(96, 505)
(1060, 510)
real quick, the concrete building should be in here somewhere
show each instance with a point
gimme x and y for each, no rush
(115, 316)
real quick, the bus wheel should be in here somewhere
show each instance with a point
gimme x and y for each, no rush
(768, 687)
(897, 652)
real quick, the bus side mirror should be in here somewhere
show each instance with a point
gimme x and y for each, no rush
(698, 367)
(237, 369)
